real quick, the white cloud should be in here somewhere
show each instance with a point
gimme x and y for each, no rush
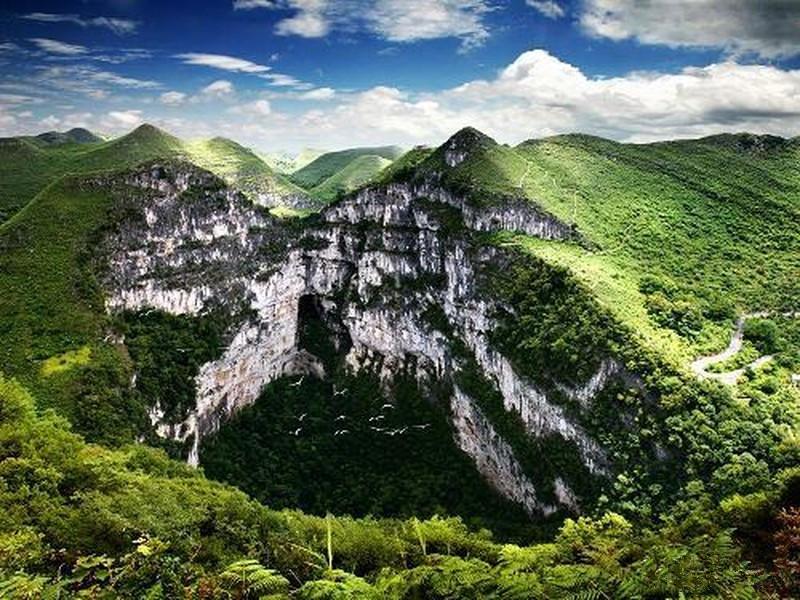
(125, 118)
(394, 20)
(223, 62)
(549, 8)
(86, 80)
(218, 89)
(323, 93)
(118, 26)
(56, 47)
(8, 47)
(240, 65)
(251, 4)
(50, 122)
(259, 108)
(535, 95)
(539, 95)
(172, 98)
(769, 28)
(15, 99)
(310, 21)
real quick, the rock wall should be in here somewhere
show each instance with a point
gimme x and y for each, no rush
(379, 260)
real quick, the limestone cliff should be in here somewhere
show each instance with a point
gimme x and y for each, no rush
(377, 264)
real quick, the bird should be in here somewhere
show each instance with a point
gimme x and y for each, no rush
(402, 430)
(387, 406)
(378, 429)
(393, 432)
(297, 431)
(342, 432)
(340, 418)
(376, 418)
(301, 417)
(423, 426)
(298, 383)
(339, 392)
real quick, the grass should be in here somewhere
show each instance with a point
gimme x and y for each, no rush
(66, 361)
(28, 165)
(327, 165)
(241, 168)
(357, 173)
(708, 219)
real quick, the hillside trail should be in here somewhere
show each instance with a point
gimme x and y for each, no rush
(700, 366)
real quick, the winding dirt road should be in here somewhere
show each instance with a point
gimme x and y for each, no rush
(701, 365)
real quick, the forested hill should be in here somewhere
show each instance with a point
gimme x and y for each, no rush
(562, 369)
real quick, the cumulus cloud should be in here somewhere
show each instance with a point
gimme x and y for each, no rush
(125, 118)
(172, 98)
(49, 122)
(393, 20)
(549, 8)
(323, 93)
(769, 28)
(539, 95)
(535, 95)
(117, 25)
(56, 47)
(259, 108)
(218, 89)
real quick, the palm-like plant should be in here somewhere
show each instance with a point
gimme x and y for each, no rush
(250, 579)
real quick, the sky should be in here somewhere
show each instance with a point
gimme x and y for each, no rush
(282, 75)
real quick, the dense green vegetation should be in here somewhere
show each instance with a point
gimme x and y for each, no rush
(53, 314)
(241, 168)
(272, 454)
(331, 163)
(681, 237)
(28, 165)
(357, 173)
(83, 521)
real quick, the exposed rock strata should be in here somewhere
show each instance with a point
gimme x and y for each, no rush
(377, 260)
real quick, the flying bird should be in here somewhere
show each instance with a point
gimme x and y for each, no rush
(376, 418)
(342, 432)
(340, 418)
(339, 392)
(297, 431)
(298, 383)
(387, 406)
(301, 417)
(423, 426)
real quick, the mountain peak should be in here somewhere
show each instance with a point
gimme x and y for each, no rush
(76, 135)
(463, 143)
(146, 129)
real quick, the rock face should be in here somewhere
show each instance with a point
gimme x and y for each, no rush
(377, 264)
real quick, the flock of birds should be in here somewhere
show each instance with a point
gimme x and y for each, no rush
(374, 420)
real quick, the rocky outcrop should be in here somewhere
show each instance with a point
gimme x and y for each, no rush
(379, 261)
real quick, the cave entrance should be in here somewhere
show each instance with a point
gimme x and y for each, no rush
(320, 329)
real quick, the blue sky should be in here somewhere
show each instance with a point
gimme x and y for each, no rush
(286, 74)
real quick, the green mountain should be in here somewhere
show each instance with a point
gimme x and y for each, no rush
(357, 173)
(77, 135)
(242, 168)
(317, 171)
(27, 165)
(583, 346)
(288, 164)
